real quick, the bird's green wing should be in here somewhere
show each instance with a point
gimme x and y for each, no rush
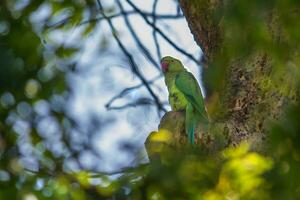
(188, 85)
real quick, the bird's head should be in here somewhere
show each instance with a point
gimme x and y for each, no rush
(170, 64)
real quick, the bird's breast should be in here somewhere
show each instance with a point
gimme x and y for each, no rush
(176, 98)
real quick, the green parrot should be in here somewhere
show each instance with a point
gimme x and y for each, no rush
(184, 94)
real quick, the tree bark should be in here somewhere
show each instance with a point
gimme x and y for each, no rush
(249, 97)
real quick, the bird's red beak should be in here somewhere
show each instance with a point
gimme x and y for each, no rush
(164, 66)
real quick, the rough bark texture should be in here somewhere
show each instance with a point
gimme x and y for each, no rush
(249, 98)
(203, 24)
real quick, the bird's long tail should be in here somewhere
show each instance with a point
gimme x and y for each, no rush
(190, 124)
(191, 133)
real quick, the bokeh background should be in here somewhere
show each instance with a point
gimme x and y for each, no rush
(75, 45)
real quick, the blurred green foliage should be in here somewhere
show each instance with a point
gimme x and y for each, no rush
(30, 76)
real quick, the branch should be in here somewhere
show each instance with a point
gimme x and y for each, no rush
(131, 61)
(173, 44)
(42, 173)
(138, 102)
(154, 31)
(131, 12)
(137, 39)
(127, 90)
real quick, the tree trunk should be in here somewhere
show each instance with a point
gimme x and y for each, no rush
(248, 95)
(247, 98)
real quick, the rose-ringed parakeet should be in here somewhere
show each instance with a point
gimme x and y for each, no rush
(184, 94)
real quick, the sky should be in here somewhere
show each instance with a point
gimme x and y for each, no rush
(103, 74)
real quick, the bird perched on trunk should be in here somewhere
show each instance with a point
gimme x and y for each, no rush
(184, 95)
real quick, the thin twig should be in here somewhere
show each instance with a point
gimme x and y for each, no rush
(173, 44)
(127, 90)
(131, 12)
(136, 38)
(133, 65)
(139, 102)
(154, 31)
